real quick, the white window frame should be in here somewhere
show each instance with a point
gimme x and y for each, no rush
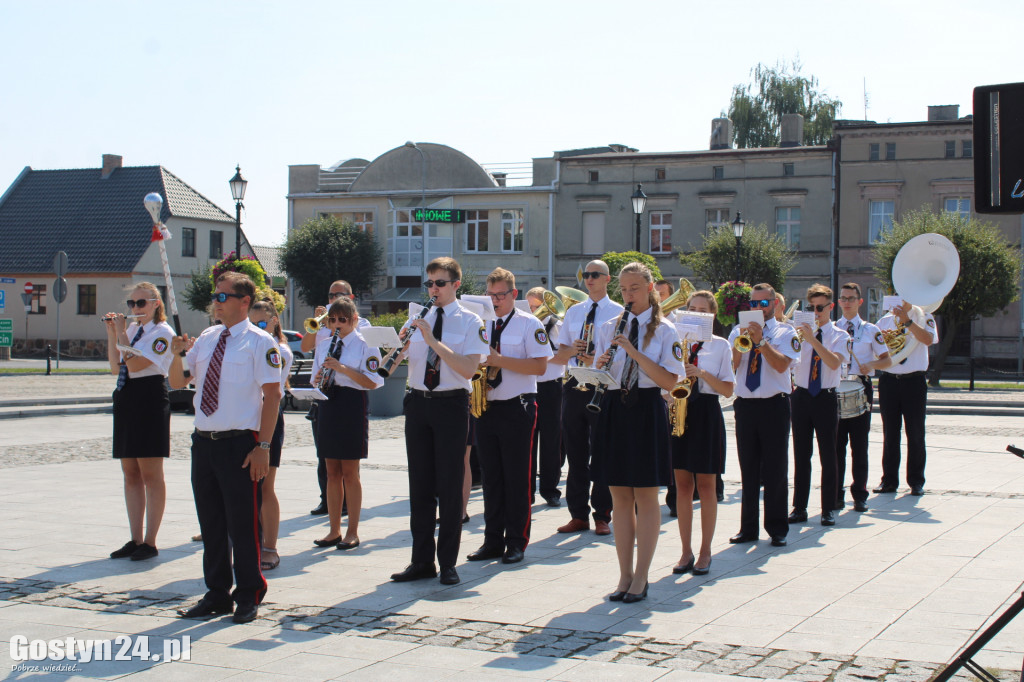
(961, 206)
(874, 311)
(660, 222)
(880, 220)
(363, 220)
(715, 218)
(406, 232)
(513, 222)
(477, 225)
(788, 227)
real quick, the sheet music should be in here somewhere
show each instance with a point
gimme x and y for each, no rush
(750, 316)
(589, 375)
(688, 333)
(128, 351)
(380, 337)
(307, 393)
(414, 310)
(890, 302)
(523, 305)
(484, 307)
(803, 317)
(705, 323)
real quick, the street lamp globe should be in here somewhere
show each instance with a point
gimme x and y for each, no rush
(238, 184)
(738, 225)
(639, 200)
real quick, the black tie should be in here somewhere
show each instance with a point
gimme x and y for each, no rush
(630, 370)
(496, 328)
(337, 356)
(432, 374)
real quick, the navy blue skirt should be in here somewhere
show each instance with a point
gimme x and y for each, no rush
(630, 445)
(342, 424)
(701, 448)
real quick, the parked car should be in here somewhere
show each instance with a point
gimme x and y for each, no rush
(294, 340)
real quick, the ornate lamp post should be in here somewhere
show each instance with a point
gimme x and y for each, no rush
(737, 229)
(639, 204)
(238, 184)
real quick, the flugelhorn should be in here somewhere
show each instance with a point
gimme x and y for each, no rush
(743, 343)
(595, 403)
(570, 296)
(312, 324)
(552, 306)
(385, 369)
(678, 299)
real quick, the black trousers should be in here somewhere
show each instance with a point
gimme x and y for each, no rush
(504, 436)
(901, 400)
(436, 430)
(577, 425)
(228, 506)
(816, 416)
(856, 430)
(762, 442)
(547, 439)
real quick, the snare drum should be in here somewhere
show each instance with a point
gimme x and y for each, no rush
(853, 401)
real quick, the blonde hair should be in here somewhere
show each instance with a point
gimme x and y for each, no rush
(159, 315)
(502, 275)
(536, 292)
(707, 296)
(652, 297)
(267, 306)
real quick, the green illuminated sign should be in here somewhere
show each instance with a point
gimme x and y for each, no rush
(439, 215)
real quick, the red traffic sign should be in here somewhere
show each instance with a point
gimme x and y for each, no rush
(28, 287)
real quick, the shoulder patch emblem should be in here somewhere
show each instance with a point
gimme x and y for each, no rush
(372, 363)
(160, 346)
(677, 351)
(795, 342)
(879, 339)
(541, 336)
(274, 358)
(931, 322)
(483, 333)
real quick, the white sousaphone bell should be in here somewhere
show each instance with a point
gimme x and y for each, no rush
(923, 273)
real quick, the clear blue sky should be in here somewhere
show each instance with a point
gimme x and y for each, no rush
(200, 86)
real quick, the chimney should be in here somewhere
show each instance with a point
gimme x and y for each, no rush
(721, 133)
(111, 162)
(944, 112)
(792, 130)
(500, 178)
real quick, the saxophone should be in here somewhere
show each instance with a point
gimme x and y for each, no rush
(680, 395)
(478, 397)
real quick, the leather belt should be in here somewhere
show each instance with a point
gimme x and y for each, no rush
(528, 397)
(770, 397)
(454, 393)
(824, 390)
(221, 435)
(908, 375)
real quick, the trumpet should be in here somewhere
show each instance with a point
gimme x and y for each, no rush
(312, 324)
(385, 369)
(743, 344)
(595, 403)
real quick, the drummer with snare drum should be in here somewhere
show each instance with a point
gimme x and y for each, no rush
(865, 352)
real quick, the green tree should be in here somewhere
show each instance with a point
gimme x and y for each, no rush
(203, 282)
(764, 257)
(756, 109)
(472, 283)
(617, 260)
(323, 250)
(197, 292)
(990, 269)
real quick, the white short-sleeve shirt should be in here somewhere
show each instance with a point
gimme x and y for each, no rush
(664, 347)
(555, 370)
(714, 357)
(523, 337)
(918, 359)
(463, 332)
(154, 345)
(355, 354)
(834, 339)
(865, 344)
(576, 317)
(782, 338)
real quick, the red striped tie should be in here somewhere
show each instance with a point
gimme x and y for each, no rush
(211, 384)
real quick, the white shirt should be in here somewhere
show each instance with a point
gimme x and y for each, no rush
(554, 370)
(576, 316)
(251, 359)
(833, 339)
(523, 337)
(918, 359)
(464, 333)
(664, 347)
(714, 357)
(287, 358)
(324, 333)
(355, 354)
(154, 345)
(782, 338)
(865, 344)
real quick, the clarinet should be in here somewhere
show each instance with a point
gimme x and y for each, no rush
(595, 403)
(385, 369)
(327, 375)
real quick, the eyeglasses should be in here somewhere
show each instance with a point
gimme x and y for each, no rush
(848, 299)
(141, 303)
(220, 297)
(439, 283)
(339, 320)
(500, 295)
(591, 275)
(819, 308)
(763, 303)
(335, 294)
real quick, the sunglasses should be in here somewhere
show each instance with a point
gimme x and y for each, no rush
(439, 283)
(819, 308)
(339, 320)
(141, 303)
(220, 297)
(591, 275)
(500, 295)
(333, 296)
(763, 303)
(262, 324)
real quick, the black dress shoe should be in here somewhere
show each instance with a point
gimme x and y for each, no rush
(206, 607)
(721, 497)
(778, 541)
(883, 488)
(449, 576)
(512, 556)
(143, 552)
(740, 538)
(328, 543)
(465, 519)
(631, 598)
(684, 568)
(917, 490)
(617, 596)
(245, 613)
(798, 516)
(485, 553)
(828, 518)
(840, 504)
(673, 512)
(126, 551)
(702, 571)
(553, 500)
(860, 506)
(415, 572)
(319, 511)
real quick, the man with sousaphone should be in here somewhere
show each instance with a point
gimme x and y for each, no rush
(923, 273)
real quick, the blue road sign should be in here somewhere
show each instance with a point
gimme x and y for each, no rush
(6, 280)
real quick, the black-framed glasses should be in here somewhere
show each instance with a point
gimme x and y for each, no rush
(589, 275)
(141, 303)
(339, 320)
(220, 297)
(439, 283)
(818, 308)
(763, 303)
(335, 294)
(500, 295)
(848, 299)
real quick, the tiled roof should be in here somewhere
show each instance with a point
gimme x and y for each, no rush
(267, 256)
(100, 223)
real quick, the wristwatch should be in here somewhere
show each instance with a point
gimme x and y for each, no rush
(760, 343)
(264, 445)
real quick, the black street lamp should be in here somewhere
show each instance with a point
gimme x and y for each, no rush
(238, 184)
(737, 229)
(639, 204)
